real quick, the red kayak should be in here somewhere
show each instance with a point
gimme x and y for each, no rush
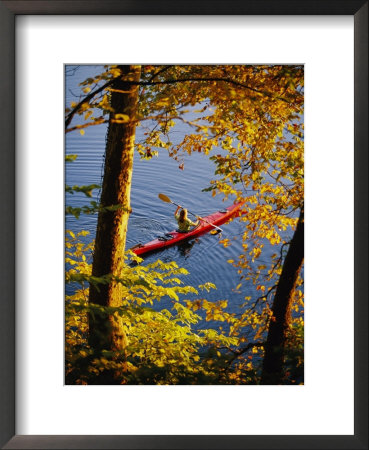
(174, 237)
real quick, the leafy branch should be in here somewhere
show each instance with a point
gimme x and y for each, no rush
(93, 209)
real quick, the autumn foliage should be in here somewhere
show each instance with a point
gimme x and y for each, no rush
(249, 121)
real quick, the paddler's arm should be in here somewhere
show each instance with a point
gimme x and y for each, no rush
(178, 208)
(197, 221)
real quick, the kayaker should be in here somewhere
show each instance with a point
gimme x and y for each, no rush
(184, 223)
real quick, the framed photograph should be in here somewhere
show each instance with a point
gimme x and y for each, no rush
(279, 90)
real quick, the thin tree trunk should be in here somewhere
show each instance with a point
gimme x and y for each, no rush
(281, 312)
(107, 332)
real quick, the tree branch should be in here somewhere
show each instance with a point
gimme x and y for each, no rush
(263, 296)
(226, 80)
(171, 81)
(241, 351)
(85, 100)
(164, 69)
(85, 125)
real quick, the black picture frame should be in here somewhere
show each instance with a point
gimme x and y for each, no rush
(8, 12)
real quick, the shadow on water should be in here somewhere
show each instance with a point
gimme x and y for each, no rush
(184, 248)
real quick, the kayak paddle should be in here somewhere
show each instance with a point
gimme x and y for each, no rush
(168, 200)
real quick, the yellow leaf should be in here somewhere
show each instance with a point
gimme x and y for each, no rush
(122, 117)
(88, 114)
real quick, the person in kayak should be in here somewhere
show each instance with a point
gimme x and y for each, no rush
(184, 223)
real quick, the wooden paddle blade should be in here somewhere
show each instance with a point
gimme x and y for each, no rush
(165, 198)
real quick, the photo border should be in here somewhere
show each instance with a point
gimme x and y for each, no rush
(8, 11)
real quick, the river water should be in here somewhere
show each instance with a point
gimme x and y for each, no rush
(205, 257)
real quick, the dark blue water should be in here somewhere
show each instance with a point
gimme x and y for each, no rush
(205, 257)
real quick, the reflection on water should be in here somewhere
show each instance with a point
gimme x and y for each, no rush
(184, 248)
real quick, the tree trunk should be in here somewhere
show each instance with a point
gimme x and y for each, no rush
(107, 332)
(281, 312)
